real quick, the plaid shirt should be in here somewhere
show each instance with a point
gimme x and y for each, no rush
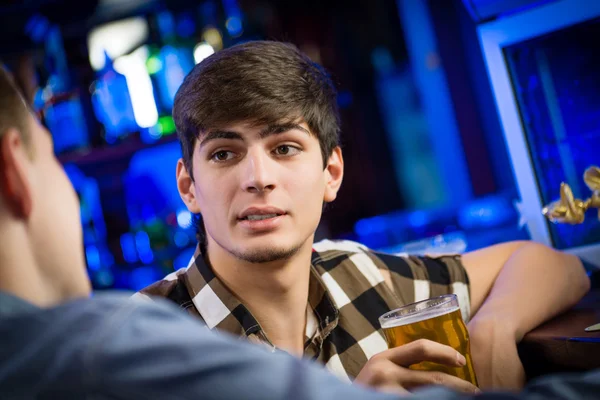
(350, 287)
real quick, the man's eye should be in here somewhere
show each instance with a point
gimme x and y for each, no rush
(286, 150)
(222, 155)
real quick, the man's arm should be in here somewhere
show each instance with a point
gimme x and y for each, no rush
(153, 350)
(514, 288)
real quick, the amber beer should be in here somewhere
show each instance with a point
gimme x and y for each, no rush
(438, 319)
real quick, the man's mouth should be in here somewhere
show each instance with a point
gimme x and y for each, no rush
(259, 217)
(260, 213)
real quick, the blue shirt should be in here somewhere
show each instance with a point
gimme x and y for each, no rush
(110, 347)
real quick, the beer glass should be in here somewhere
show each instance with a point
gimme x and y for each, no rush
(437, 319)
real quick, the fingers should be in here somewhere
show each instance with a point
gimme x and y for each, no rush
(389, 370)
(390, 377)
(424, 350)
(410, 380)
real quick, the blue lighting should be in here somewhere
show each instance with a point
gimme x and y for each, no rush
(128, 248)
(234, 26)
(234, 17)
(92, 256)
(142, 277)
(418, 219)
(150, 190)
(66, 122)
(184, 258)
(344, 99)
(186, 26)
(181, 239)
(104, 278)
(369, 226)
(177, 63)
(166, 24)
(112, 103)
(37, 27)
(142, 242)
(487, 212)
(150, 135)
(184, 219)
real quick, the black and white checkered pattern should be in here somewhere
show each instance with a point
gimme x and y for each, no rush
(350, 287)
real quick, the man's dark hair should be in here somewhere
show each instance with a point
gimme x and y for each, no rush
(14, 113)
(261, 83)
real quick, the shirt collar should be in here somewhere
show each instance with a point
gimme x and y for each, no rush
(12, 305)
(324, 318)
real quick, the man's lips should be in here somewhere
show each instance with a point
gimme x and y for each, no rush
(260, 213)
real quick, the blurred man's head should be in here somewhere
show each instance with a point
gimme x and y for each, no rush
(40, 228)
(258, 125)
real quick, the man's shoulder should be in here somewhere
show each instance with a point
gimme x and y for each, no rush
(171, 287)
(349, 252)
(328, 246)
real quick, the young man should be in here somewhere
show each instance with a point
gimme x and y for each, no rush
(258, 125)
(58, 344)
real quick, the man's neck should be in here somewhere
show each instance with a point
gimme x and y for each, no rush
(19, 272)
(276, 293)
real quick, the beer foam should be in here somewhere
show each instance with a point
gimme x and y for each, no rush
(416, 317)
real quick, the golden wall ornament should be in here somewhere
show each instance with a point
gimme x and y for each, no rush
(569, 210)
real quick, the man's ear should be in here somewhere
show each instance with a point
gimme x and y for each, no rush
(185, 185)
(15, 182)
(334, 174)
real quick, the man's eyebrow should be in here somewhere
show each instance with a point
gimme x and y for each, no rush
(281, 128)
(216, 134)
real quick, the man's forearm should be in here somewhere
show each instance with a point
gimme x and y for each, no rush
(535, 284)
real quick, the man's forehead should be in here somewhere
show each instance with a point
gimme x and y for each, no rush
(253, 127)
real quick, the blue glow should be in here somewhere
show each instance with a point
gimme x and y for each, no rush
(66, 122)
(142, 243)
(181, 239)
(177, 63)
(186, 26)
(150, 135)
(148, 213)
(142, 277)
(128, 248)
(418, 219)
(75, 175)
(112, 103)
(104, 278)
(234, 26)
(92, 256)
(184, 258)
(208, 12)
(366, 227)
(344, 99)
(234, 17)
(149, 183)
(37, 27)
(486, 213)
(430, 78)
(92, 217)
(184, 219)
(106, 257)
(555, 87)
(166, 24)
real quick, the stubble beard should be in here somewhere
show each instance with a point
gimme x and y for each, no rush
(267, 255)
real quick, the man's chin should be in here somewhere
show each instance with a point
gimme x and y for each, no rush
(266, 255)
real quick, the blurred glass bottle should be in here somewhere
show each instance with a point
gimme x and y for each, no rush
(112, 103)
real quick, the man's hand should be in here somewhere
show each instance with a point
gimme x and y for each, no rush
(515, 287)
(388, 371)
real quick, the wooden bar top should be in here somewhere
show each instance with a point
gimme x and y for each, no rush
(562, 344)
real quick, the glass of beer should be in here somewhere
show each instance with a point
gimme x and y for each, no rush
(437, 319)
